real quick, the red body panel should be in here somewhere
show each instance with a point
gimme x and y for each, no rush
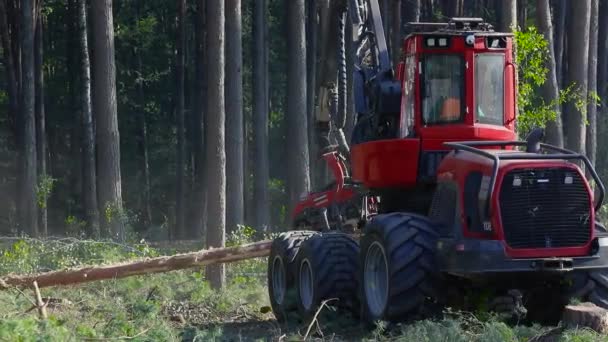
(455, 167)
(336, 194)
(386, 163)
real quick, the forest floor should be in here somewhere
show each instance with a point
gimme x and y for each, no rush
(180, 306)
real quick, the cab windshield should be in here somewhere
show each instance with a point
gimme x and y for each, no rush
(443, 89)
(489, 88)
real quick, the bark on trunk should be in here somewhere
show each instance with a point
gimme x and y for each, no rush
(602, 82)
(550, 90)
(179, 115)
(559, 16)
(260, 116)
(312, 29)
(106, 119)
(28, 207)
(235, 176)
(396, 40)
(591, 138)
(41, 147)
(578, 57)
(141, 137)
(297, 139)
(216, 152)
(7, 36)
(89, 185)
(200, 94)
(508, 16)
(410, 10)
(140, 267)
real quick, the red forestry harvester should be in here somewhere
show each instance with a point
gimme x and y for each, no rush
(434, 201)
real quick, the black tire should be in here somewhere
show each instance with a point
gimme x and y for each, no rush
(590, 286)
(283, 254)
(406, 244)
(328, 266)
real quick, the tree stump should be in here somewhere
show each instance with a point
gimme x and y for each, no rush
(586, 315)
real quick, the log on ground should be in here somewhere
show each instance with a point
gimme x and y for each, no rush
(139, 267)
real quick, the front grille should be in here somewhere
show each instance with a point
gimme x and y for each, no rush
(545, 208)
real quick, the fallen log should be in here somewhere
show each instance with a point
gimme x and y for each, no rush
(139, 267)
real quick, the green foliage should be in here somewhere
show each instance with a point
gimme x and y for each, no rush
(30, 329)
(44, 189)
(31, 255)
(532, 58)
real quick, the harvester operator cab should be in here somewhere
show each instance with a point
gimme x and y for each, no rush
(456, 82)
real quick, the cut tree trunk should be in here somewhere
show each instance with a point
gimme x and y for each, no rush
(586, 315)
(140, 267)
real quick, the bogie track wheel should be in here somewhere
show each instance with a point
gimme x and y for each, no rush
(327, 270)
(281, 269)
(399, 276)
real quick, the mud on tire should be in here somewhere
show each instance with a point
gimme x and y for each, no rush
(281, 278)
(327, 268)
(399, 276)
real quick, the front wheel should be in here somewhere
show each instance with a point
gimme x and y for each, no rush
(399, 273)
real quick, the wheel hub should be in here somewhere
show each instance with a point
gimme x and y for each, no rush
(306, 284)
(375, 279)
(278, 280)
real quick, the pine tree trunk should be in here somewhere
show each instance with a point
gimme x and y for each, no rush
(12, 67)
(550, 90)
(578, 57)
(200, 93)
(396, 40)
(28, 206)
(235, 205)
(410, 10)
(143, 169)
(508, 16)
(559, 15)
(179, 115)
(297, 138)
(312, 31)
(216, 152)
(41, 147)
(89, 188)
(591, 138)
(106, 119)
(260, 116)
(602, 82)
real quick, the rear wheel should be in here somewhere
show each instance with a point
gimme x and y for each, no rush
(281, 272)
(399, 274)
(327, 268)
